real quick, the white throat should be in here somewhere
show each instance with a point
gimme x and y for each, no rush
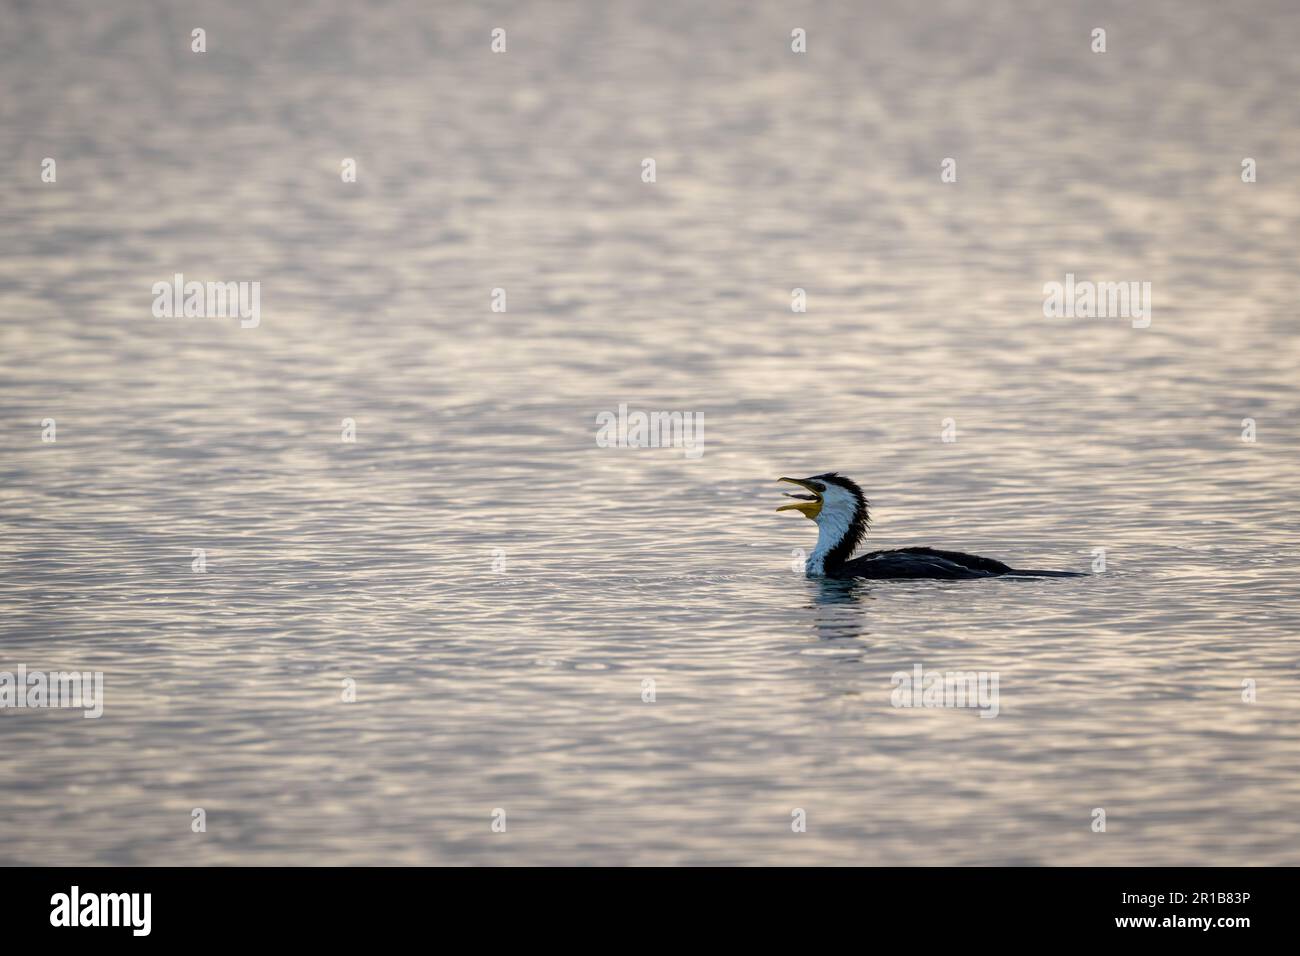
(838, 508)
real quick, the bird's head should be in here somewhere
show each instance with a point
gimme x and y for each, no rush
(833, 498)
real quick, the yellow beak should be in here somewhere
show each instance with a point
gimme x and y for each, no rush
(808, 507)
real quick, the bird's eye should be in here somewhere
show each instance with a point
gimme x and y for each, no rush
(817, 486)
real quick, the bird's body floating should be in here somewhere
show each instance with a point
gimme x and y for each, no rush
(840, 510)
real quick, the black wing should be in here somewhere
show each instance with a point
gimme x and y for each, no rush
(922, 563)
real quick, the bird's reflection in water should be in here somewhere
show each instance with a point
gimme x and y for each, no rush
(838, 611)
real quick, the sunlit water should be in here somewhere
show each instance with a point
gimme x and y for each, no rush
(500, 588)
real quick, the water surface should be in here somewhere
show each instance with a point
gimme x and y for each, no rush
(500, 588)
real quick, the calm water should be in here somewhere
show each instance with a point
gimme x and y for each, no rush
(496, 585)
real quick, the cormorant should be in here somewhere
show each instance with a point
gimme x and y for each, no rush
(840, 510)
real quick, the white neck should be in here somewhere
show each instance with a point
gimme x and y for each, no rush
(832, 525)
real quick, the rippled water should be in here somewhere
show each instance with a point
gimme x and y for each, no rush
(498, 587)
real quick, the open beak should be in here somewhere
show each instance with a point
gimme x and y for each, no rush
(810, 506)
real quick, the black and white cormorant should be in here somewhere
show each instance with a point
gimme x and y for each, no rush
(840, 510)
